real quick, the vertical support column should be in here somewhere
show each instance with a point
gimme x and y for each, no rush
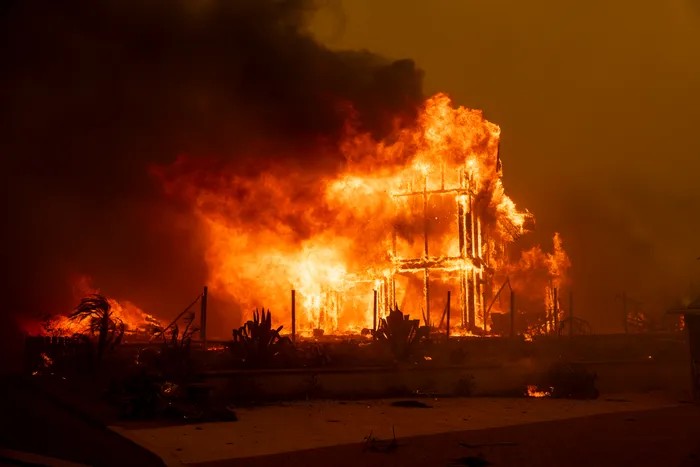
(479, 239)
(470, 280)
(512, 313)
(482, 287)
(447, 331)
(472, 228)
(374, 320)
(555, 311)
(387, 296)
(203, 317)
(294, 316)
(471, 302)
(461, 230)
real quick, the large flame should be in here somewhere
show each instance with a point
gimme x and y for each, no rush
(131, 315)
(410, 218)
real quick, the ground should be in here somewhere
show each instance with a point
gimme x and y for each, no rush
(30, 423)
(662, 437)
(654, 429)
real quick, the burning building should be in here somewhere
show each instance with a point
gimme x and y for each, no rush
(405, 221)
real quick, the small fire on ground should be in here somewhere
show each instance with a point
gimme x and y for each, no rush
(532, 391)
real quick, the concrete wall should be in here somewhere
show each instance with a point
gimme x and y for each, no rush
(493, 380)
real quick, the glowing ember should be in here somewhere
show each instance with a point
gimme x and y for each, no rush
(533, 392)
(46, 361)
(411, 219)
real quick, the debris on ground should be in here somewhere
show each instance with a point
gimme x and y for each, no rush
(379, 445)
(571, 381)
(412, 404)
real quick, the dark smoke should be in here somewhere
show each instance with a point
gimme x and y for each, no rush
(96, 91)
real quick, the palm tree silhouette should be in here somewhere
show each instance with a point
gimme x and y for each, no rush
(102, 323)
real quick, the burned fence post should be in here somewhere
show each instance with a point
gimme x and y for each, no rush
(512, 313)
(203, 318)
(294, 316)
(447, 331)
(555, 311)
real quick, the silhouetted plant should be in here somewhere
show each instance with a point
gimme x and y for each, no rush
(257, 341)
(96, 312)
(173, 360)
(401, 333)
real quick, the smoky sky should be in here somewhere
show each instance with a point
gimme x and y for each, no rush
(598, 103)
(96, 92)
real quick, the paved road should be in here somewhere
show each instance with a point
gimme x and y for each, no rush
(30, 423)
(658, 438)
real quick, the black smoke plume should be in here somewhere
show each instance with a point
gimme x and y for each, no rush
(95, 92)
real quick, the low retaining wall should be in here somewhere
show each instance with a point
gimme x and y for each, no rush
(487, 380)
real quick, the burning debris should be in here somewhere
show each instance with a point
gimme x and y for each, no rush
(124, 317)
(532, 391)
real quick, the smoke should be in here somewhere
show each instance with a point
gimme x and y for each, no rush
(96, 92)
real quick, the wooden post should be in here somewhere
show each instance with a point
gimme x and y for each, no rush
(203, 318)
(624, 311)
(294, 317)
(512, 313)
(374, 317)
(555, 311)
(447, 333)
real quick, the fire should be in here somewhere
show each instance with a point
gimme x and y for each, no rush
(533, 392)
(133, 317)
(410, 218)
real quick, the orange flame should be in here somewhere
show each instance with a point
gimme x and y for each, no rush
(133, 317)
(335, 239)
(533, 392)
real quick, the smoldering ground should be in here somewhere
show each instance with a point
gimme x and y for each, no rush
(97, 92)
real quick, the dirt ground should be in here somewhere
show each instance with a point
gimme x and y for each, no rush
(652, 429)
(667, 437)
(30, 423)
